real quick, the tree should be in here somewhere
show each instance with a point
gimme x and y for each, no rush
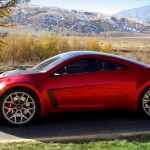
(6, 10)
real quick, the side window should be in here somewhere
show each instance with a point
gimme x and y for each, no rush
(61, 71)
(109, 65)
(89, 65)
(77, 66)
(80, 66)
(119, 66)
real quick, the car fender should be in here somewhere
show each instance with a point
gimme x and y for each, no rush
(140, 88)
(26, 82)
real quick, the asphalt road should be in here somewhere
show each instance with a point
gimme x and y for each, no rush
(76, 126)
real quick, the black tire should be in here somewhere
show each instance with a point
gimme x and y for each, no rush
(144, 103)
(19, 107)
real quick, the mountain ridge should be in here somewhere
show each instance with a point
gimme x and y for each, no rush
(61, 20)
(141, 13)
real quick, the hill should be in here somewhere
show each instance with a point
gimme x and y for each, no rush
(141, 13)
(73, 21)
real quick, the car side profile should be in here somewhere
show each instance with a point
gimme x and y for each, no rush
(74, 81)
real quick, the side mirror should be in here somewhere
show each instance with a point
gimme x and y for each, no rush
(56, 74)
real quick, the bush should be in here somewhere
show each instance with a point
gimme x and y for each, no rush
(27, 48)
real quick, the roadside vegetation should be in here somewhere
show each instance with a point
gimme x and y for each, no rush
(28, 49)
(134, 143)
(137, 48)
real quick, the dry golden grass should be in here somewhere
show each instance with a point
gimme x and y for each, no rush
(130, 43)
(26, 50)
(137, 48)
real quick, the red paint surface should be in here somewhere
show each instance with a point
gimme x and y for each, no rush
(116, 89)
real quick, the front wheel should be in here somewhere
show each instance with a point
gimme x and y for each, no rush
(144, 103)
(19, 107)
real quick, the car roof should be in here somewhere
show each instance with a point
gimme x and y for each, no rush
(77, 53)
(108, 56)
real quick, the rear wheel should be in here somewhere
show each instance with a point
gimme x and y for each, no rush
(144, 102)
(19, 107)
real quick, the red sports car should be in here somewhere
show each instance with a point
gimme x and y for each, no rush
(74, 81)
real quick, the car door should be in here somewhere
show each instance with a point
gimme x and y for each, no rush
(74, 87)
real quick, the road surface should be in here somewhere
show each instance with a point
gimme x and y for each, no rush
(77, 126)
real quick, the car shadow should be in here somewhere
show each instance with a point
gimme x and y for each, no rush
(78, 124)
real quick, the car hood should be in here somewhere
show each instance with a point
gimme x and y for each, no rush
(17, 72)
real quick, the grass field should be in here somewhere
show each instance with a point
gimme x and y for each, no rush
(128, 143)
(130, 43)
(137, 48)
(28, 50)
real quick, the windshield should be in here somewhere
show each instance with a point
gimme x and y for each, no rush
(49, 63)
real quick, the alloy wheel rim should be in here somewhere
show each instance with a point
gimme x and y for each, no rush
(146, 102)
(19, 108)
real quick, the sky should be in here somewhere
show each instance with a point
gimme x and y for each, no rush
(102, 6)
